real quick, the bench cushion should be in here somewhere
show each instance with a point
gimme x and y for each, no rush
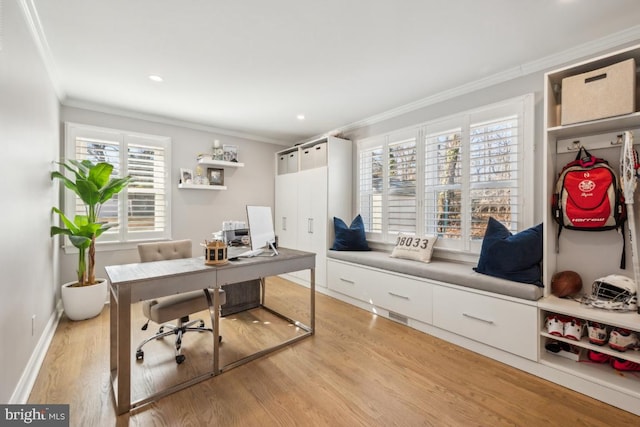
(456, 273)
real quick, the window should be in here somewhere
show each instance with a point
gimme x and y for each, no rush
(446, 177)
(142, 209)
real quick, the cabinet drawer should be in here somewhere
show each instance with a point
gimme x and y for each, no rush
(409, 297)
(405, 296)
(507, 325)
(348, 280)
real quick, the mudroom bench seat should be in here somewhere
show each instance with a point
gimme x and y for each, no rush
(455, 273)
(442, 298)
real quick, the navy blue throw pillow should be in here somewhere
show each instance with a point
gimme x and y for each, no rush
(350, 238)
(509, 256)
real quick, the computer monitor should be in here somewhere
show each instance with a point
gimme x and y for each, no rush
(261, 227)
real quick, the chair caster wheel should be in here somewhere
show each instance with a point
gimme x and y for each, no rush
(139, 355)
(180, 359)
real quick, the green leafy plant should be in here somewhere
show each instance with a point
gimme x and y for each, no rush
(94, 185)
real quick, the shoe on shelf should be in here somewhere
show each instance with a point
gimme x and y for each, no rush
(556, 346)
(597, 357)
(598, 333)
(555, 325)
(623, 339)
(574, 329)
(624, 365)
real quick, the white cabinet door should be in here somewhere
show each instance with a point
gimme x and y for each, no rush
(286, 211)
(312, 217)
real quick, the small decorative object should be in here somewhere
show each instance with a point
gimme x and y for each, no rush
(218, 151)
(205, 156)
(230, 153)
(186, 176)
(216, 176)
(215, 252)
(200, 179)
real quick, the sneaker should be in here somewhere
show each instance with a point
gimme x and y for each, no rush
(555, 326)
(623, 339)
(598, 334)
(597, 357)
(574, 329)
(624, 365)
(556, 346)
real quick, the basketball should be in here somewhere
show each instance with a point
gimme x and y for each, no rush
(566, 283)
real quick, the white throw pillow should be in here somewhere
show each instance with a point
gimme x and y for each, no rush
(418, 248)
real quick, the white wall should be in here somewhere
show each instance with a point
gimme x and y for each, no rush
(29, 112)
(195, 214)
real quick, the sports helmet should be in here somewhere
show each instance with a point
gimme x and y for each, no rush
(613, 292)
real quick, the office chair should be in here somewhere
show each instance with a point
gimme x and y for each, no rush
(178, 306)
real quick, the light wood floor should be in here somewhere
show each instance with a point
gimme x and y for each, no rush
(357, 370)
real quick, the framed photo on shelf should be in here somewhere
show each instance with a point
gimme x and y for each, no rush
(186, 176)
(230, 153)
(216, 176)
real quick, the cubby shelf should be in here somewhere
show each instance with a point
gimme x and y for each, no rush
(592, 255)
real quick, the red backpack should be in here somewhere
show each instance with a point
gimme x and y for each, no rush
(588, 197)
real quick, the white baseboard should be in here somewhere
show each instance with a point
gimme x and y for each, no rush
(27, 380)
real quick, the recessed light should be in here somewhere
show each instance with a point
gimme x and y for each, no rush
(300, 117)
(155, 78)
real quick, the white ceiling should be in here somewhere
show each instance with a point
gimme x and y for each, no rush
(250, 66)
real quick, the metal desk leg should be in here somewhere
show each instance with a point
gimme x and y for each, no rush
(123, 379)
(214, 312)
(312, 302)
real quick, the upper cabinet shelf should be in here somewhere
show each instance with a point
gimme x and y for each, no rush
(220, 163)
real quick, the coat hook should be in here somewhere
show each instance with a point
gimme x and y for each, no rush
(576, 146)
(618, 141)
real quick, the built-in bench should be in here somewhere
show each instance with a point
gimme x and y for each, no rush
(447, 299)
(455, 273)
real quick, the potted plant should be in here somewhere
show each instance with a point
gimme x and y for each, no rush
(94, 186)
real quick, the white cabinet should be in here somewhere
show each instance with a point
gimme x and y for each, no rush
(286, 210)
(503, 324)
(313, 187)
(399, 294)
(592, 255)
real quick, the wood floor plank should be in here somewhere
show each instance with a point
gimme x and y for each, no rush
(359, 369)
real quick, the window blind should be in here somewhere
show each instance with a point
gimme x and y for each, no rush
(401, 185)
(140, 210)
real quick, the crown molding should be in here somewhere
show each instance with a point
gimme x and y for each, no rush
(35, 28)
(100, 108)
(611, 41)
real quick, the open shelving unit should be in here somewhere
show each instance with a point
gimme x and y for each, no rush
(210, 162)
(592, 255)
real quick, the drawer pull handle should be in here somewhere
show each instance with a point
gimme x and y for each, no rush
(478, 318)
(351, 282)
(398, 296)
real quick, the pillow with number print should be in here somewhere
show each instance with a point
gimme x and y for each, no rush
(418, 248)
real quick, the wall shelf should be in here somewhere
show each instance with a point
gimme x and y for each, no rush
(220, 163)
(201, 187)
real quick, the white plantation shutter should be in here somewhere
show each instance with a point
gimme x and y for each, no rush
(493, 170)
(370, 188)
(141, 210)
(471, 166)
(443, 184)
(401, 186)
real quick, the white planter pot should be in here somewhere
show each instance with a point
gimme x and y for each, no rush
(84, 302)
